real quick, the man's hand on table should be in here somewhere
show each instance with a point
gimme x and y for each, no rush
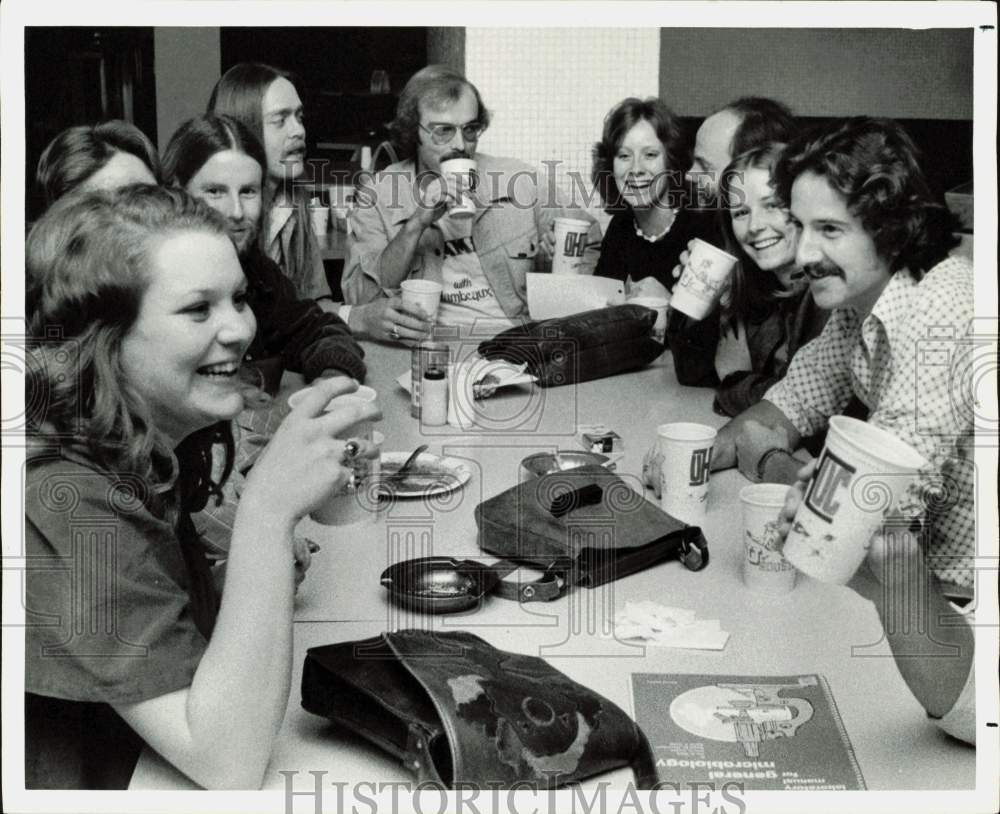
(752, 441)
(387, 320)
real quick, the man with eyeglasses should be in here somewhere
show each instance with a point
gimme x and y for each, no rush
(401, 227)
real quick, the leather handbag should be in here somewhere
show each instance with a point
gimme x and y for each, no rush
(581, 347)
(587, 524)
(460, 713)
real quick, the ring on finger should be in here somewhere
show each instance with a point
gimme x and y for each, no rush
(395, 331)
(351, 450)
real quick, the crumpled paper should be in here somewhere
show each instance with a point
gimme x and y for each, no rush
(659, 625)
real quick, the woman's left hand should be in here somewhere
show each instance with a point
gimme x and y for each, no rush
(302, 550)
(547, 242)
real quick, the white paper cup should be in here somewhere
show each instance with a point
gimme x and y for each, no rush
(686, 451)
(460, 180)
(701, 284)
(357, 501)
(571, 243)
(363, 395)
(765, 570)
(319, 217)
(862, 473)
(660, 305)
(422, 296)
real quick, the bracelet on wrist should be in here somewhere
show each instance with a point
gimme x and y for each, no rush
(768, 454)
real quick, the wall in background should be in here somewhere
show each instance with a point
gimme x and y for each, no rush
(446, 46)
(187, 64)
(550, 88)
(898, 73)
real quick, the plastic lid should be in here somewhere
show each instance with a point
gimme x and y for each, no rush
(433, 373)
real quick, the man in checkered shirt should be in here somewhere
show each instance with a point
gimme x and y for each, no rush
(875, 247)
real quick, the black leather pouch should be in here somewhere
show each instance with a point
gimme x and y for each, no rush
(581, 347)
(460, 713)
(588, 523)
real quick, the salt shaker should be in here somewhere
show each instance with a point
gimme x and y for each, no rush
(434, 398)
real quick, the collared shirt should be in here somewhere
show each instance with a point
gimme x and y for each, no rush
(288, 239)
(515, 205)
(904, 362)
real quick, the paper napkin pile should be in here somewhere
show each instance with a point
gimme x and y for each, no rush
(655, 624)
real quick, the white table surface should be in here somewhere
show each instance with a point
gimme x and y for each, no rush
(816, 629)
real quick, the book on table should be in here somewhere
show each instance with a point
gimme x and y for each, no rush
(763, 732)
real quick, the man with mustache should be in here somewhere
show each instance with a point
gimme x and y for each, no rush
(875, 246)
(402, 228)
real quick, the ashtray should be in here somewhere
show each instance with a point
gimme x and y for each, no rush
(544, 463)
(438, 584)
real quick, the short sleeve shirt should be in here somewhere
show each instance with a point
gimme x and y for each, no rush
(117, 608)
(905, 362)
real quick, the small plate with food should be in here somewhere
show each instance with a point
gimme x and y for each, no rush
(428, 476)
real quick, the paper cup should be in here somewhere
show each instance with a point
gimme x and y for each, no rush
(862, 474)
(363, 395)
(701, 284)
(571, 243)
(319, 216)
(660, 305)
(460, 180)
(765, 570)
(685, 452)
(357, 501)
(421, 296)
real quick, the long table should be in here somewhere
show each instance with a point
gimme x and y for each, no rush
(817, 628)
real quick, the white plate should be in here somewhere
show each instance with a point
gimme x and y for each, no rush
(434, 476)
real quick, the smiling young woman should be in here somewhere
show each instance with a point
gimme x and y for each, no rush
(137, 325)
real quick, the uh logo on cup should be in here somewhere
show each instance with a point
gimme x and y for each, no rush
(685, 452)
(863, 472)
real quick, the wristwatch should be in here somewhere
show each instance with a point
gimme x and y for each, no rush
(762, 461)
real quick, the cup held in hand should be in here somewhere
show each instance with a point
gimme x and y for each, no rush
(765, 569)
(701, 285)
(863, 474)
(422, 297)
(460, 178)
(571, 243)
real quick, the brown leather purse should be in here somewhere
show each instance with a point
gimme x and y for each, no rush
(460, 713)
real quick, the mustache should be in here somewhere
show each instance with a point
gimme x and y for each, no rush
(456, 153)
(818, 270)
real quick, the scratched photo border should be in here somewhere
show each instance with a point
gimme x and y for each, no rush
(15, 15)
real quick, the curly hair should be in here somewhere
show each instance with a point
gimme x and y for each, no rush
(87, 263)
(754, 290)
(873, 164)
(436, 86)
(200, 138)
(619, 120)
(79, 152)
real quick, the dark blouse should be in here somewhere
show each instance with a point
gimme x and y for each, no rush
(308, 339)
(771, 340)
(624, 253)
(120, 604)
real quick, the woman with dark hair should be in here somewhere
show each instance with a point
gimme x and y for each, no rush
(217, 160)
(639, 167)
(138, 326)
(266, 100)
(104, 156)
(745, 346)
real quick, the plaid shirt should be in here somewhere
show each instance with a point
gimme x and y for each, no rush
(901, 360)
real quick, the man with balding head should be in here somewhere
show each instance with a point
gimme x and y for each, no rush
(743, 124)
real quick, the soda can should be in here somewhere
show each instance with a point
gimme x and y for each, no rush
(425, 356)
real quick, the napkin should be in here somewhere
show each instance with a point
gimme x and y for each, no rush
(562, 295)
(655, 624)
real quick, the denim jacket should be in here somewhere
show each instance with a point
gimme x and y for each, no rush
(515, 204)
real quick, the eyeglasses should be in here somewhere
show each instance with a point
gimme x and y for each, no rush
(444, 133)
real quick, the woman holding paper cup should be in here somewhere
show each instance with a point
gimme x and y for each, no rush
(638, 170)
(741, 343)
(141, 384)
